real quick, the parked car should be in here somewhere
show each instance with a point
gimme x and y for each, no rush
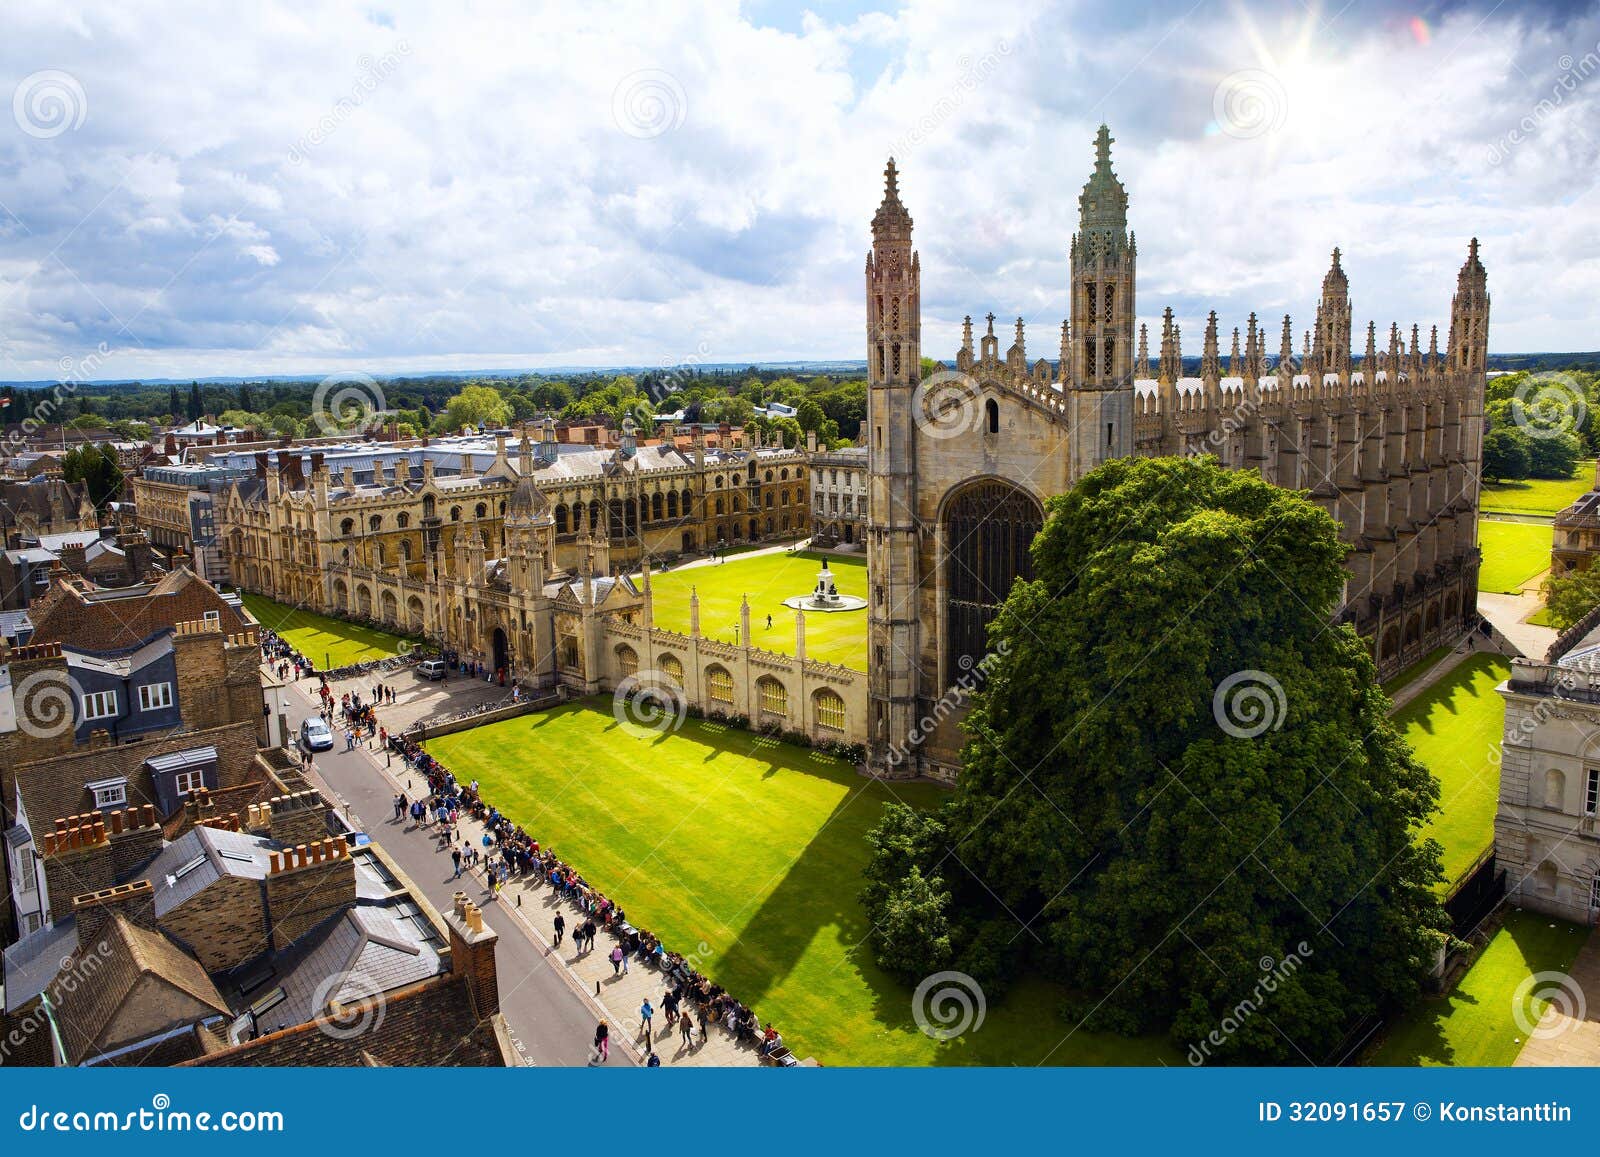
(432, 669)
(315, 735)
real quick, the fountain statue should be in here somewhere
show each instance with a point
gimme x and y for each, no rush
(825, 596)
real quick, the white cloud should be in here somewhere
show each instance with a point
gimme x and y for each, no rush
(264, 189)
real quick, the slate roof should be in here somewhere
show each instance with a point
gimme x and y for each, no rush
(201, 857)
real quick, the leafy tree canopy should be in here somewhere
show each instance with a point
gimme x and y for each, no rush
(1180, 778)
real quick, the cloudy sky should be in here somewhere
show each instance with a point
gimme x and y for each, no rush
(259, 188)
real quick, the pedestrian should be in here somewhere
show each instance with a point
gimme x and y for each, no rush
(769, 622)
(704, 1024)
(616, 961)
(455, 854)
(686, 1031)
(588, 933)
(655, 1060)
(560, 926)
(669, 1003)
(349, 739)
(602, 1042)
(645, 1013)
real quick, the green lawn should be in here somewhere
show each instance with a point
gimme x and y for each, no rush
(754, 848)
(838, 637)
(1475, 1024)
(326, 642)
(1537, 495)
(1411, 674)
(1513, 553)
(1456, 728)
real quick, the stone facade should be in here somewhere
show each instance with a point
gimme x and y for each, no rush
(963, 461)
(1546, 838)
(839, 496)
(377, 534)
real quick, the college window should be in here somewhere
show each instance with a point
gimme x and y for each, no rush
(27, 871)
(719, 685)
(774, 697)
(155, 696)
(1591, 793)
(99, 705)
(830, 711)
(188, 781)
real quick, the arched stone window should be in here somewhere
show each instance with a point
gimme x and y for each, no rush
(455, 514)
(402, 520)
(830, 709)
(347, 527)
(772, 695)
(375, 523)
(561, 520)
(627, 661)
(719, 685)
(989, 525)
(480, 511)
(991, 410)
(672, 667)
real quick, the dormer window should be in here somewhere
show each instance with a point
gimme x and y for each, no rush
(109, 792)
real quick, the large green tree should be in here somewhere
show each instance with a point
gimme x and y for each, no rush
(1181, 777)
(475, 406)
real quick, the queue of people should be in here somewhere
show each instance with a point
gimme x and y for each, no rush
(692, 1004)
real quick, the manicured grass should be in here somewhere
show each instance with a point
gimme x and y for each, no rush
(1513, 553)
(754, 848)
(326, 642)
(1412, 673)
(1541, 618)
(1456, 727)
(837, 637)
(1475, 1023)
(1538, 495)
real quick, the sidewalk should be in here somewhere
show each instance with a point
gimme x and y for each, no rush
(532, 906)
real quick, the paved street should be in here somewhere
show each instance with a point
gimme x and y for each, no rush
(548, 1014)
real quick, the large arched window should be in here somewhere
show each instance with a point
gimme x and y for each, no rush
(991, 410)
(672, 668)
(989, 526)
(830, 710)
(561, 520)
(719, 685)
(627, 661)
(773, 695)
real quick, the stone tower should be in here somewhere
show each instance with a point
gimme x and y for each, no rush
(1331, 349)
(1100, 381)
(1469, 316)
(894, 330)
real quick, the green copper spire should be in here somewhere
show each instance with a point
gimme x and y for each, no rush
(1103, 205)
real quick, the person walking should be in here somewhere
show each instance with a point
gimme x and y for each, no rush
(704, 1025)
(616, 960)
(602, 1042)
(455, 854)
(560, 927)
(686, 1030)
(645, 1014)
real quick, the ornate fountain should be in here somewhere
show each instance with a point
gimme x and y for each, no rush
(825, 596)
